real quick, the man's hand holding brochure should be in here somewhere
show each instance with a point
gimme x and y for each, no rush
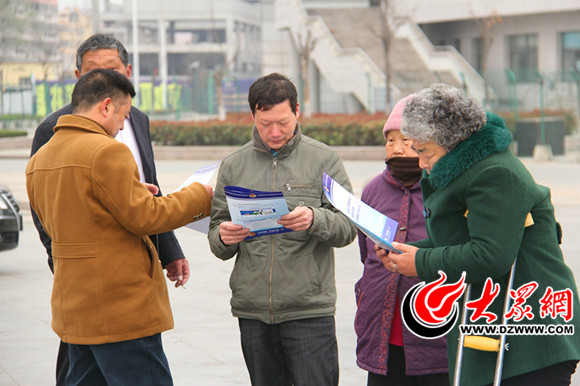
(203, 176)
(378, 227)
(256, 210)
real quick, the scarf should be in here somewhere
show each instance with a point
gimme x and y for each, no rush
(406, 170)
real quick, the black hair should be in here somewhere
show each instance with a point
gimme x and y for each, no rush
(97, 85)
(270, 90)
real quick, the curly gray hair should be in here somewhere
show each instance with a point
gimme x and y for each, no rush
(443, 115)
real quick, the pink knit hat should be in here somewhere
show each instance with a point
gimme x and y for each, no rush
(394, 120)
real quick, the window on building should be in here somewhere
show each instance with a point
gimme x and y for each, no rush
(523, 56)
(148, 32)
(570, 53)
(456, 43)
(148, 63)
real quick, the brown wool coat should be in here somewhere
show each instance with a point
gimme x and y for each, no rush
(108, 281)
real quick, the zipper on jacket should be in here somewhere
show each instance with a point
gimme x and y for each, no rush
(274, 164)
(270, 294)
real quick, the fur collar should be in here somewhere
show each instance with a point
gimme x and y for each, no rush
(492, 138)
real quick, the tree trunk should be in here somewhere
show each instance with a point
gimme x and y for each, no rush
(485, 51)
(218, 76)
(1, 92)
(307, 108)
(388, 80)
(387, 31)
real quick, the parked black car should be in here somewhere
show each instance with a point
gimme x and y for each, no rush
(10, 220)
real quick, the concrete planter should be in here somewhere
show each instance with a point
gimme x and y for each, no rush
(528, 135)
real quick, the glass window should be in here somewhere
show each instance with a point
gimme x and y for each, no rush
(570, 52)
(523, 56)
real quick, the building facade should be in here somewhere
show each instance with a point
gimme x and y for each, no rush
(519, 53)
(190, 45)
(533, 44)
(29, 33)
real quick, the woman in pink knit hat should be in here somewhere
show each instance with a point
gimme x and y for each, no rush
(385, 348)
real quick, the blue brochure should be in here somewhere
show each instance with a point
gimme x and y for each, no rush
(257, 210)
(378, 227)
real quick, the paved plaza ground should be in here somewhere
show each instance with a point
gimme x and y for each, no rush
(204, 347)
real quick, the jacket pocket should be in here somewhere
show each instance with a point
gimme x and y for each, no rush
(249, 280)
(358, 317)
(298, 283)
(301, 195)
(76, 274)
(152, 252)
(74, 251)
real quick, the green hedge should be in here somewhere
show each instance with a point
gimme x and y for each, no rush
(570, 124)
(18, 117)
(332, 129)
(12, 133)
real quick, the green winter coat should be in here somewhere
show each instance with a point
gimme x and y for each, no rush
(286, 276)
(477, 199)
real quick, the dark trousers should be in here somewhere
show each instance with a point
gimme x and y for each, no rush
(396, 373)
(62, 364)
(559, 374)
(300, 352)
(134, 362)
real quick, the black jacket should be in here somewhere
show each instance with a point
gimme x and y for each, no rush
(166, 243)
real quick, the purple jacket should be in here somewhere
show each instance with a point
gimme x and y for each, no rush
(376, 290)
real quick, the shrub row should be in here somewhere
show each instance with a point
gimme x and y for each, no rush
(332, 129)
(335, 130)
(12, 133)
(20, 117)
(570, 124)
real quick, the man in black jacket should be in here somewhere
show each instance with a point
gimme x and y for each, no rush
(104, 51)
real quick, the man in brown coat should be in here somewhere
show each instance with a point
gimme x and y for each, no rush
(109, 298)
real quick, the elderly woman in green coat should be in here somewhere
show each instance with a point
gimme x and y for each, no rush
(483, 210)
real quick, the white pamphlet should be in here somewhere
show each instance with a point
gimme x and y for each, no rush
(203, 176)
(378, 227)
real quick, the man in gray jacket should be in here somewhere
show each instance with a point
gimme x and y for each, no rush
(283, 285)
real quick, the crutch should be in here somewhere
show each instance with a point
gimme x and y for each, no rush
(484, 343)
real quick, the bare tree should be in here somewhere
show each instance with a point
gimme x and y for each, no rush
(306, 45)
(218, 76)
(46, 52)
(390, 22)
(220, 69)
(485, 27)
(15, 21)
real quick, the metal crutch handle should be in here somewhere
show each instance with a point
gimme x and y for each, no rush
(483, 343)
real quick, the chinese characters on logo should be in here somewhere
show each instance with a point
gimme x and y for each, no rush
(430, 310)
